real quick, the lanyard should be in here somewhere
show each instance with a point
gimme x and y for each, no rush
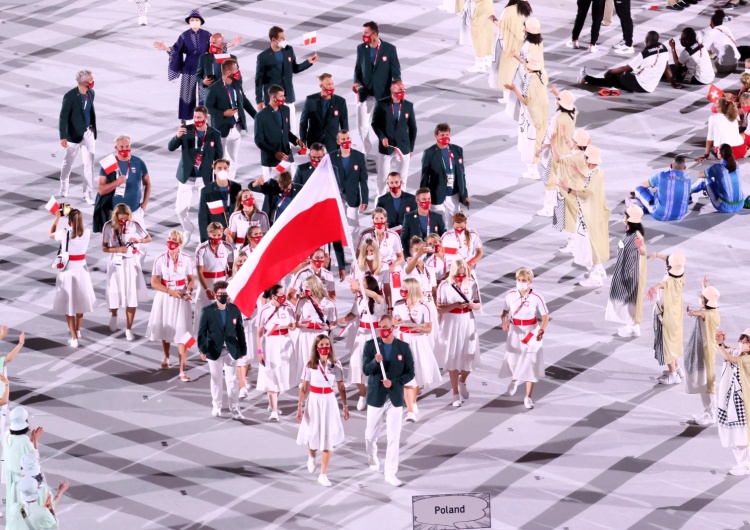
(393, 110)
(176, 260)
(523, 301)
(214, 252)
(232, 99)
(86, 101)
(205, 134)
(424, 234)
(449, 169)
(377, 53)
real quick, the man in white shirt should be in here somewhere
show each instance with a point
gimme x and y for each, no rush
(641, 74)
(693, 65)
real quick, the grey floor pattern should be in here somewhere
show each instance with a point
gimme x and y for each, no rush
(606, 446)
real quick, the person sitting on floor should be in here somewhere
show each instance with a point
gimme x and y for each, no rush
(721, 182)
(693, 65)
(670, 200)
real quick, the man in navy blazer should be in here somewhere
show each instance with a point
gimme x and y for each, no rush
(279, 194)
(395, 125)
(209, 67)
(323, 115)
(221, 190)
(397, 203)
(444, 174)
(221, 341)
(201, 147)
(226, 103)
(377, 67)
(78, 130)
(273, 135)
(421, 222)
(350, 167)
(275, 66)
(385, 395)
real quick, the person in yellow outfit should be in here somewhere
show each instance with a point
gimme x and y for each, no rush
(512, 33)
(668, 316)
(569, 167)
(560, 130)
(482, 34)
(734, 399)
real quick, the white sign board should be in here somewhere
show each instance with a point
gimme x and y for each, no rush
(451, 511)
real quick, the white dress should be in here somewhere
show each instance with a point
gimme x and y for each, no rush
(427, 280)
(388, 247)
(283, 368)
(215, 266)
(383, 278)
(310, 324)
(523, 353)
(458, 346)
(321, 427)
(440, 266)
(455, 246)
(74, 292)
(363, 334)
(325, 276)
(426, 369)
(171, 317)
(239, 224)
(125, 283)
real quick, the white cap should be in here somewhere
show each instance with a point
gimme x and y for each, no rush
(19, 419)
(30, 465)
(28, 489)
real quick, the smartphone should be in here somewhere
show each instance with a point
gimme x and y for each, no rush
(182, 123)
(430, 249)
(65, 208)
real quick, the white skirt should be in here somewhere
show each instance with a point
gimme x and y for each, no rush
(522, 362)
(458, 342)
(426, 369)
(74, 292)
(125, 284)
(249, 327)
(356, 375)
(305, 340)
(435, 319)
(321, 427)
(277, 374)
(170, 318)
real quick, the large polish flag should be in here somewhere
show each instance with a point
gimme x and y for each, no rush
(314, 218)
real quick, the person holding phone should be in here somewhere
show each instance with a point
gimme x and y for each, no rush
(74, 292)
(209, 64)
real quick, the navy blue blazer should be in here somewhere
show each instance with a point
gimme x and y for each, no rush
(208, 67)
(399, 370)
(396, 217)
(401, 133)
(213, 336)
(211, 193)
(303, 173)
(375, 79)
(315, 127)
(272, 138)
(411, 227)
(352, 183)
(435, 177)
(212, 150)
(267, 73)
(217, 101)
(72, 120)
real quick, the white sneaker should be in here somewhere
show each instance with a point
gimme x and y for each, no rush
(274, 416)
(593, 48)
(277, 412)
(237, 414)
(310, 464)
(463, 390)
(361, 403)
(374, 463)
(512, 387)
(393, 480)
(594, 280)
(415, 408)
(142, 21)
(739, 470)
(581, 79)
(625, 331)
(129, 335)
(89, 198)
(63, 189)
(477, 68)
(621, 49)
(546, 212)
(528, 403)
(703, 418)
(567, 249)
(113, 323)
(669, 379)
(604, 28)
(323, 481)
(243, 393)
(216, 412)
(73, 343)
(572, 44)
(636, 330)
(457, 400)
(411, 417)
(78, 333)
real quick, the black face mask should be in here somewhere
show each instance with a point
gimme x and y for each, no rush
(222, 298)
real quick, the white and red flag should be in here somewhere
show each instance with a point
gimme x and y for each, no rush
(221, 57)
(215, 207)
(108, 163)
(284, 165)
(714, 94)
(188, 340)
(310, 38)
(52, 206)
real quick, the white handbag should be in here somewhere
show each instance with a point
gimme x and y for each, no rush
(61, 260)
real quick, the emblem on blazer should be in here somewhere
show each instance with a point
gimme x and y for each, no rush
(460, 160)
(335, 113)
(436, 228)
(385, 58)
(356, 167)
(212, 144)
(400, 357)
(234, 321)
(289, 59)
(408, 209)
(407, 115)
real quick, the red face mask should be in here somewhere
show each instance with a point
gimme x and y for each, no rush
(173, 245)
(437, 248)
(745, 108)
(443, 142)
(314, 163)
(425, 205)
(395, 189)
(404, 293)
(199, 123)
(249, 202)
(213, 50)
(280, 101)
(323, 351)
(123, 223)
(460, 231)
(459, 279)
(366, 39)
(256, 239)
(329, 92)
(385, 333)
(346, 145)
(215, 241)
(90, 85)
(124, 153)
(237, 75)
(318, 263)
(308, 293)
(379, 226)
(281, 299)
(399, 95)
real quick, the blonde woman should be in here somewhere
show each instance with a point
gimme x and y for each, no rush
(733, 403)
(462, 243)
(320, 425)
(417, 269)
(74, 292)
(389, 242)
(369, 263)
(560, 131)
(437, 261)
(414, 321)
(524, 318)
(511, 26)
(458, 347)
(126, 286)
(173, 277)
(315, 313)
(245, 215)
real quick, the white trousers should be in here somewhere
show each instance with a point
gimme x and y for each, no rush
(352, 215)
(450, 206)
(185, 194)
(388, 163)
(393, 433)
(228, 366)
(364, 122)
(293, 124)
(231, 145)
(741, 454)
(138, 217)
(88, 144)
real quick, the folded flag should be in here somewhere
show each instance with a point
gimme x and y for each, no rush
(310, 38)
(52, 206)
(108, 163)
(216, 207)
(283, 166)
(714, 94)
(188, 340)
(221, 57)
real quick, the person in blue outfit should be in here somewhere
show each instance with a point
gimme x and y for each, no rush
(669, 201)
(131, 184)
(721, 182)
(184, 56)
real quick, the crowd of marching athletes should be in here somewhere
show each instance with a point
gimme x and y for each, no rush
(413, 276)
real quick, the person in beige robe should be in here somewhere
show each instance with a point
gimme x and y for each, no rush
(570, 167)
(512, 35)
(482, 34)
(700, 377)
(734, 426)
(560, 132)
(668, 314)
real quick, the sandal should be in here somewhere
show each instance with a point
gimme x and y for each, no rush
(609, 92)
(165, 363)
(184, 377)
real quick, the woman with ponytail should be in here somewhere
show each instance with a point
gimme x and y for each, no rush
(721, 182)
(724, 128)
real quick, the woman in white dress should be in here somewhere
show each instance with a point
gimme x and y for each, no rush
(315, 314)
(246, 214)
(388, 241)
(279, 370)
(365, 314)
(437, 261)
(369, 263)
(126, 285)
(74, 293)
(417, 269)
(320, 426)
(462, 243)
(254, 235)
(733, 403)
(173, 277)
(457, 299)
(415, 323)
(524, 318)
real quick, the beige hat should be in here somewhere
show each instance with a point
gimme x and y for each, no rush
(711, 294)
(533, 26)
(581, 137)
(634, 213)
(566, 100)
(593, 155)
(676, 263)
(534, 62)
(746, 332)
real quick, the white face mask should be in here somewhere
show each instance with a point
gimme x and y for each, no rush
(282, 44)
(222, 175)
(370, 257)
(522, 286)
(195, 25)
